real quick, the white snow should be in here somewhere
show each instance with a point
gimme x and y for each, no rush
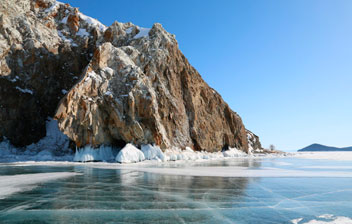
(153, 152)
(325, 219)
(94, 76)
(87, 154)
(64, 91)
(11, 184)
(129, 30)
(53, 7)
(175, 154)
(24, 90)
(143, 32)
(233, 152)
(92, 22)
(108, 70)
(66, 39)
(130, 154)
(82, 32)
(296, 221)
(108, 93)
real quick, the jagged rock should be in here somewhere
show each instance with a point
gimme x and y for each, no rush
(253, 141)
(140, 88)
(44, 46)
(105, 86)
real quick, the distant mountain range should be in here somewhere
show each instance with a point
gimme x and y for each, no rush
(318, 147)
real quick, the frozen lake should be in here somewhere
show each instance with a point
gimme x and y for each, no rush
(287, 190)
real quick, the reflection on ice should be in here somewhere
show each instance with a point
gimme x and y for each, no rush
(128, 195)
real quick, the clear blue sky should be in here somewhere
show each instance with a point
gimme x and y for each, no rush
(284, 65)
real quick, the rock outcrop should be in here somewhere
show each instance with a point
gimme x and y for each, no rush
(44, 46)
(105, 86)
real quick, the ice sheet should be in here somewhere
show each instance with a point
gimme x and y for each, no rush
(204, 170)
(17, 183)
(342, 156)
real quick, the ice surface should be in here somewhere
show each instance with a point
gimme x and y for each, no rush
(87, 154)
(132, 196)
(11, 184)
(342, 156)
(130, 154)
(225, 171)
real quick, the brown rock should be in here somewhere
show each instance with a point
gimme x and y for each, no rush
(123, 84)
(143, 90)
(40, 58)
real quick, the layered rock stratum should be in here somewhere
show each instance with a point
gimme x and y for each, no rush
(105, 85)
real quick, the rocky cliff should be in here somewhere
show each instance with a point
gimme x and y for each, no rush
(105, 86)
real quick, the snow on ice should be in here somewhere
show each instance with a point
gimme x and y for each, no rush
(130, 154)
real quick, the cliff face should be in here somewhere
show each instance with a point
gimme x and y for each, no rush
(110, 85)
(44, 46)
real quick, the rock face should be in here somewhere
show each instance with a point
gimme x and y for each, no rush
(44, 46)
(110, 86)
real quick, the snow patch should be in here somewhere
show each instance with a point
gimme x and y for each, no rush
(11, 184)
(24, 90)
(53, 7)
(143, 32)
(233, 152)
(296, 221)
(64, 20)
(66, 39)
(129, 30)
(130, 154)
(83, 33)
(94, 76)
(92, 22)
(325, 219)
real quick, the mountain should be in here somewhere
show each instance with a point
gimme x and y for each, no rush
(105, 85)
(318, 147)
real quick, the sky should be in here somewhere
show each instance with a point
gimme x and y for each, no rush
(284, 66)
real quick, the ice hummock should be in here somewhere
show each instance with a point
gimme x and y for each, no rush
(233, 152)
(55, 147)
(130, 154)
(90, 154)
(152, 152)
